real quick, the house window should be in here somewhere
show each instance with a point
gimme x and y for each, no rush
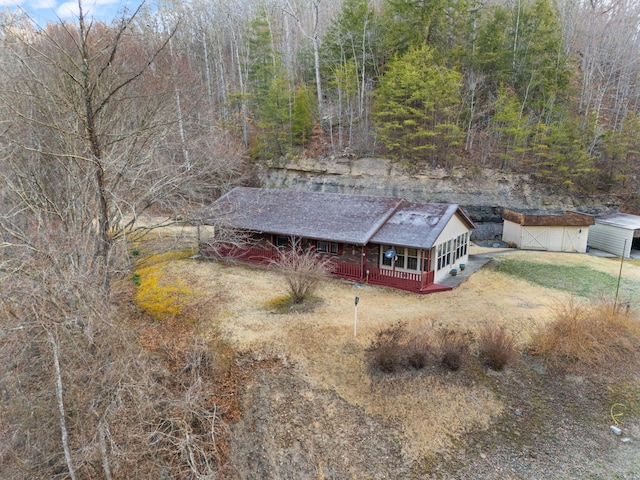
(450, 251)
(412, 259)
(322, 246)
(405, 258)
(462, 243)
(444, 254)
(281, 241)
(426, 261)
(386, 261)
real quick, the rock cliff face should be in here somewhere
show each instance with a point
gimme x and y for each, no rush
(481, 193)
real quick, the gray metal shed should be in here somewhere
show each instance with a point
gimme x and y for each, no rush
(615, 233)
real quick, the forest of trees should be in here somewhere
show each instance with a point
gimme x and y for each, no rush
(169, 105)
(549, 87)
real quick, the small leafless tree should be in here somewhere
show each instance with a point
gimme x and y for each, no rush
(303, 269)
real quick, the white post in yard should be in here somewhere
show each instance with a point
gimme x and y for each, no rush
(355, 317)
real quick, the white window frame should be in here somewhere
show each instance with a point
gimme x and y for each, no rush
(462, 243)
(281, 241)
(401, 260)
(327, 248)
(443, 255)
(322, 246)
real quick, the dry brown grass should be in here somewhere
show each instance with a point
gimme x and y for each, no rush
(454, 347)
(431, 411)
(497, 346)
(588, 337)
(387, 352)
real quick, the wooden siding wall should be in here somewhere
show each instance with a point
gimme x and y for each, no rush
(413, 282)
(453, 229)
(351, 254)
(511, 233)
(373, 255)
(546, 237)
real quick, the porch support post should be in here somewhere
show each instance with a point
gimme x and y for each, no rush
(422, 265)
(363, 263)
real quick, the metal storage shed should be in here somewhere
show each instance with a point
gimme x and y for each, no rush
(616, 233)
(554, 232)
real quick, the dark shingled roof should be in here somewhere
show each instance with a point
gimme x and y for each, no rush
(548, 219)
(355, 219)
(417, 225)
(325, 216)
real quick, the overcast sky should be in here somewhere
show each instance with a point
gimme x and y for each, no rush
(44, 11)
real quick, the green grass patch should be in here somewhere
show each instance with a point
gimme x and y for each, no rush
(579, 280)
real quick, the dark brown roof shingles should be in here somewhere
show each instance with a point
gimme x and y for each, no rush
(355, 219)
(548, 219)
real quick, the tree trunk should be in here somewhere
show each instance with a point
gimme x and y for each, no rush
(60, 400)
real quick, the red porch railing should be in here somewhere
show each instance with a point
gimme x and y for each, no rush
(413, 282)
(255, 254)
(346, 269)
(428, 278)
(248, 254)
(394, 278)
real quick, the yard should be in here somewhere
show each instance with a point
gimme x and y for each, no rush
(311, 408)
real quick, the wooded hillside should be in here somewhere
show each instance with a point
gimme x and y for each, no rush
(174, 102)
(542, 86)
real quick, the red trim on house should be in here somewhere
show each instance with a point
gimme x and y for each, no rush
(419, 282)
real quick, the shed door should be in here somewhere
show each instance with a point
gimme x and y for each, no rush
(570, 240)
(535, 238)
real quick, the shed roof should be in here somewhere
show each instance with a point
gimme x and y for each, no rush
(622, 220)
(355, 219)
(552, 219)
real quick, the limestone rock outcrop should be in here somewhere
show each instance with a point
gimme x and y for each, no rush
(482, 193)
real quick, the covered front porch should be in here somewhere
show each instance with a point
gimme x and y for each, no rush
(419, 282)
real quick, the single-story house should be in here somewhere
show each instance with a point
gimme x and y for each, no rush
(616, 233)
(380, 240)
(554, 232)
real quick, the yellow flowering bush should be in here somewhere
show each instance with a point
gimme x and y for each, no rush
(158, 293)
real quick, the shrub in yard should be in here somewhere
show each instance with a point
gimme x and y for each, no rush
(199, 358)
(497, 346)
(589, 337)
(157, 293)
(386, 352)
(419, 352)
(454, 347)
(302, 270)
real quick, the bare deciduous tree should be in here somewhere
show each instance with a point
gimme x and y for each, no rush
(94, 141)
(303, 269)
